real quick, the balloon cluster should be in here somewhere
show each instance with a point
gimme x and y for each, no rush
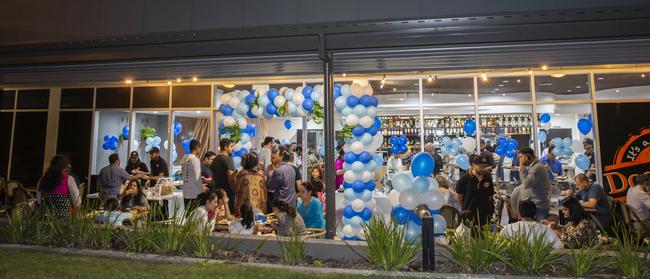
(125, 131)
(582, 161)
(110, 142)
(469, 126)
(451, 147)
(359, 107)
(178, 128)
(398, 144)
(413, 189)
(152, 142)
(506, 147)
(584, 125)
(562, 147)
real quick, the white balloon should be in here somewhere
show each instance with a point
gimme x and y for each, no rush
(360, 111)
(371, 204)
(367, 176)
(298, 98)
(349, 176)
(263, 100)
(321, 101)
(401, 182)
(135, 144)
(237, 146)
(367, 90)
(248, 145)
(346, 111)
(371, 166)
(356, 147)
(358, 205)
(242, 122)
(340, 103)
(225, 98)
(299, 91)
(318, 87)
(439, 224)
(288, 94)
(346, 90)
(242, 108)
(301, 112)
(351, 120)
(233, 102)
(433, 184)
(469, 144)
(244, 138)
(279, 101)
(366, 139)
(229, 121)
(434, 199)
(257, 111)
(346, 147)
(349, 231)
(357, 90)
(409, 199)
(371, 111)
(393, 197)
(315, 95)
(357, 167)
(366, 121)
(164, 144)
(366, 195)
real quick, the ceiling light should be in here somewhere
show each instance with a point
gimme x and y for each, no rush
(505, 81)
(558, 75)
(401, 99)
(497, 89)
(432, 94)
(345, 75)
(568, 90)
(394, 89)
(500, 85)
(578, 86)
(518, 81)
(617, 90)
(195, 79)
(484, 77)
(381, 86)
(228, 85)
(643, 75)
(530, 71)
(178, 79)
(504, 94)
(198, 112)
(383, 80)
(430, 79)
(469, 95)
(544, 67)
(128, 81)
(169, 82)
(601, 78)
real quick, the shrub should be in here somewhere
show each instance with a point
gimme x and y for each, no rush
(630, 256)
(292, 248)
(585, 261)
(528, 253)
(475, 253)
(388, 247)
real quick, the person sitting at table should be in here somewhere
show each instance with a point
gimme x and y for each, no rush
(134, 165)
(534, 181)
(448, 193)
(223, 210)
(289, 221)
(475, 190)
(580, 231)
(529, 227)
(309, 207)
(159, 168)
(111, 178)
(134, 198)
(208, 202)
(553, 167)
(112, 215)
(593, 197)
(638, 197)
(250, 185)
(57, 191)
(245, 224)
(316, 180)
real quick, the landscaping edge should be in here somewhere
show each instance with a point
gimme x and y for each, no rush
(156, 258)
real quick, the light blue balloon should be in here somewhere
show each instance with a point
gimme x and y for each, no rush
(288, 94)
(347, 166)
(365, 196)
(439, 224)
(366, 139)
(567, 151)
(557, 151)
(445, 140)
(413, 231)
(358, 166)
(315, 96)
(371, 166)
(454, 150)
(340, 103)
(371, 111)
(541, 135)
(567, 142)
(266, 115)
(462, 161)
(349, 194)
(346, 111)
(421, 184)
(244, 138)
(237, 161)
(379, 160)
(356, 221)
(557, 141)
(242, 108)
(359, 111)
(582, 161)
(262, 101)
(346, 220)
(236, 115)
(456, 142)
(402, 182)
(292, 108)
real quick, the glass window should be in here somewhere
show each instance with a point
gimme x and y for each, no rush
(29, 147)
(113, 97)
(6, 119)
(74, 139)
(151, 97)
(504, 89)
(76, 98)
(559, 87)
(189, 125)
(562, 122)
(109, 124)
(154, 125)
(191, 96)
(7, 99)
(399, 109)
(33, 99)
(622, 86)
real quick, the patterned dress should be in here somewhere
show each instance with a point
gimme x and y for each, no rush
(251, 188)
(584, 234)
(58, 204)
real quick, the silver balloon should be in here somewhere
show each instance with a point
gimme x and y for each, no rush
(409, 199)
(434, 199)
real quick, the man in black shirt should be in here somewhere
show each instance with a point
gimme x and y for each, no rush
(475, 190)
(438, 163)
(223, 169)
(588, 145)
(206, 171)
(158, 165)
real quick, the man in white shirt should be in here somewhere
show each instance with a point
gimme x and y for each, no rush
(265, 154)
(395, 164)
(529, 227)
(192, 182)
(638, 197)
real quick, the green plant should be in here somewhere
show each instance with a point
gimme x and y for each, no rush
(233, 132)
(585, 261)
(346, 132)
(470, 252)
(529, 253)
(147, 132)
(317, 113)
(292, 248)
(17, 228)
(388, 247)
(630, 256)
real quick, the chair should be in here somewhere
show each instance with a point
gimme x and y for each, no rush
(21, 195)
(82, 191)
(636, 220)
(451, 215)
(314, 233)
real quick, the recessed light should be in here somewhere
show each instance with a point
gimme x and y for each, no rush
(178, 80)
(601, 78)
(198, 112)
(578, 86)
(169, 82)
(504, 94)
(558, 75)
(500, 85)
(195, 79)
(544, 67)
(518, 81)
(394, 89)
(484, 77)
(469, 95)
(433, 94)
(344, 75)
(497, 89)
(568, 90)
(128, 81)
(617, 90)
(505, 81)
(643, 75)
(401, 99)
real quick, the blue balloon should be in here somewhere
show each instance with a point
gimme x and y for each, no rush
(186, 146)
(350, 238)
(403, 140)
(366, 100)
(178, 128)
(377, 122)
(125, 131)
(414, 218)
(544, 118)
(308, 105)
(358, 186)
(582, 161)
(105, 146)
(348, 212)
(358, 131)
(306, 91)
(287, 124)
(366, 214)
(469, 126)
(370, 185)
(462, 161)
(403, 149)
(502, 142)
(372, 130)
(421, 184)
(337, 91)
(365, 157)
(352, 101)
(113, 140)
(375, 101)
(272, 93)
(250, 99)
(512, 144)
(434, 212)
(422, 164)
(349, 157)
(541, 135)
(510, 153)
(500, 150)
(394, 140)
(271, 109)
(400, 215)
(250, 129)
(584, 125)
(379, 160)
(225, 109)
(394, 149)
(250, 114)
